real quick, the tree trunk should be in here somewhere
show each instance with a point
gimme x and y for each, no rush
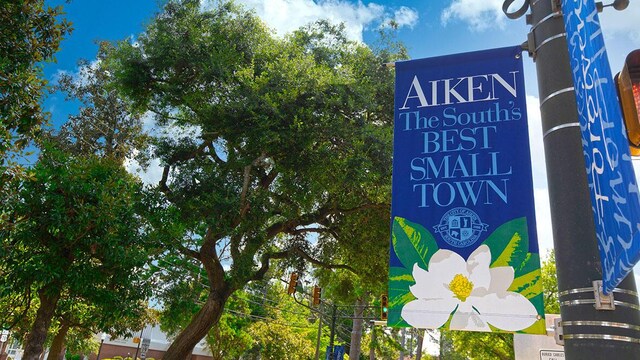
(202, 322)
(56, 352)
(38, 334)
(356, 332)
(419, 344)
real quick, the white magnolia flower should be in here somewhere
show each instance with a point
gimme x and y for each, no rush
(476, 293)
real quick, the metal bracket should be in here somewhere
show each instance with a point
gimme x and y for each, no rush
(530, 45)
(603, 301)
(558, 331)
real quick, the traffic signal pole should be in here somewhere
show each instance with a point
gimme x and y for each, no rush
(332, 353)
(588, 333)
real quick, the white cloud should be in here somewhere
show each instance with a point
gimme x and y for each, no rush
(480, 15)
(406, 17)
(285, 16)
(622, 24)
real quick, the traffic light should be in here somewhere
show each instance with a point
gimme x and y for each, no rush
(292, 283)
(384, 307)
(317, 291)
(628, 85)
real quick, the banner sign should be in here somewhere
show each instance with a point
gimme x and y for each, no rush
(612, 182)
(464, 252)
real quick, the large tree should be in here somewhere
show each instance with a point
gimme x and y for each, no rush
(104, 126)
(73, 234)
(284, 139)
(31, 33)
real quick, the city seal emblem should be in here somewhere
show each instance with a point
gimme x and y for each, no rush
(460, 227)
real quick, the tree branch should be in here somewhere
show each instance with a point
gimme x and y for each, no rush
(306, 230)
(188, 252)
(323, 264)
(265, 261)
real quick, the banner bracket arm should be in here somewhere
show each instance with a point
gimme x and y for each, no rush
(603, 301)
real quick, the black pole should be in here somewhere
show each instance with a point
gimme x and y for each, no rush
(317, 357)
(138, 348)
(333, 333)
(588, 333)
(100, 349)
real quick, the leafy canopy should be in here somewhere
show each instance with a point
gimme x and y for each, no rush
(263, 139)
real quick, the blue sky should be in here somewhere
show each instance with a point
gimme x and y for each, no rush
(428, 28)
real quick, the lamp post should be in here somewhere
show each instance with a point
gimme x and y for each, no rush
(587, 332)
(102, 338)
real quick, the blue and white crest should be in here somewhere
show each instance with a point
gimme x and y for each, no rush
(460, 227)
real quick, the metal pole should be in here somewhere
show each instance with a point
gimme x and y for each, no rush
(333, 333)
(138, 348)
(372, 349)
(587, 333)
(319, 335)
(100, 349)
(404, 333)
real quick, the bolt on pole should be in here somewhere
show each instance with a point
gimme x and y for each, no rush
(588, 333)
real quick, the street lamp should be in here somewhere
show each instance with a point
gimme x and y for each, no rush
(102, 338)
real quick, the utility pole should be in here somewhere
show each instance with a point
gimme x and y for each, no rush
(372, 348)
(333, 332)
(587, 333)
(356, 331)
(319, 335)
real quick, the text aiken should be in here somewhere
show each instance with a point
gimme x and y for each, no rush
(466, 89)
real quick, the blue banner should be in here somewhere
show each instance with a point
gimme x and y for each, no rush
(338, 352)
(464, 252)
(612, 181)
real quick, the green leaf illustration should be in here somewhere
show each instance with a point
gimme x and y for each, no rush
(509, 243)
(538, 302)
(539, 327)
(400, 279)
(528, 285)
(531, 263)
(412, 243)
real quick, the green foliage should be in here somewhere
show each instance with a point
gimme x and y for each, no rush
(285, 332)
(31, 33)
(263, 139)
(550, 284)
(483, 346)
(384, 343)
(103, 126)
(75, 237)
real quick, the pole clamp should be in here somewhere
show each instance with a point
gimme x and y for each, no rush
(603, 301)
(558, 331)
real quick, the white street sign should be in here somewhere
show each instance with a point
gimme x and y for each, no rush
(551, 355)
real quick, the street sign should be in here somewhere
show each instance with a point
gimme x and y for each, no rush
(614, 192)
(144, 347)
(551, 355)
(338, 352)
(4, 335)
(464, 253)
